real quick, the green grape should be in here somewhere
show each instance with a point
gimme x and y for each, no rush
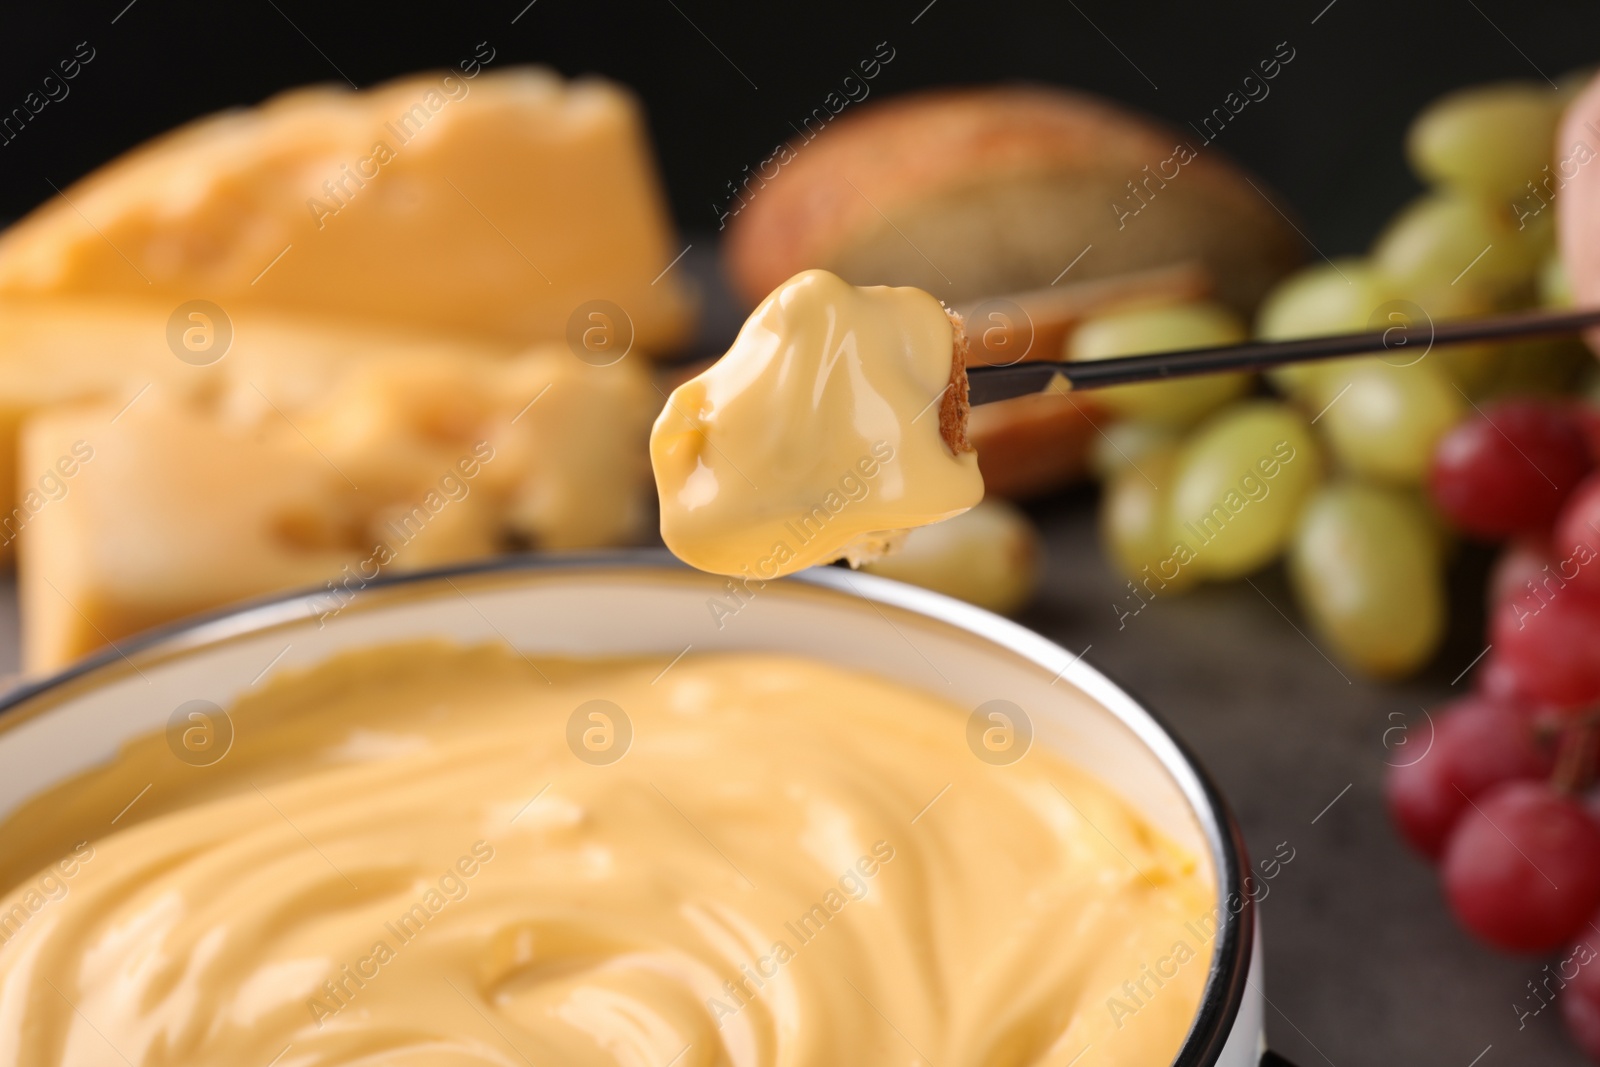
(1541, 366)
(1452, 240)
(1487, 140)
(1238, 486)
(1366, 567)
(1135, 524)
(1535, 241)
(988, 556)
(1324, 298)
(1535, 232)
(1135, 331)
(1351, 295)
(1472, 365)
(1381, 420)
(1125, 443)
(1555, 288)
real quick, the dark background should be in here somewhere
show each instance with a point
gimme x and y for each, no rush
(1328, 136)
(1364, 964)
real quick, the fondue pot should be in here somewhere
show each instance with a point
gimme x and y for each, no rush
(634, 603)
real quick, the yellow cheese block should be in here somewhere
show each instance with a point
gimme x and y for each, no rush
(59, 352)
(72, 350)
(165, 514)
(569, 465)
(189, 500)
(500, 206)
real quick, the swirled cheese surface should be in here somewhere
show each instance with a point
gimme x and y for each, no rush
(429, 855)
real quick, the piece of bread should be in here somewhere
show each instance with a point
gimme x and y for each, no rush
(954, 407)
(492, 207)
(971, 193)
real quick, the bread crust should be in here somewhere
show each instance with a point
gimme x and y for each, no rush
(956, 405)
(887, 160)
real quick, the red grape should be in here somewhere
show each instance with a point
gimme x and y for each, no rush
(1588, 417)
(1523, 561)
(1499, 680)
(1508, 470)
(1552, 645)
(1477, 742)
(1577, 536)
(1522, 867)
(1580, 1003)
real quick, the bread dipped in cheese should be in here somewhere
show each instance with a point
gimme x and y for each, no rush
(835, 420)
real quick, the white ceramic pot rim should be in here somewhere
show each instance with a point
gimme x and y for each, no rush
(1229, 978)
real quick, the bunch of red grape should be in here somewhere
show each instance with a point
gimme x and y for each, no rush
(1503, 800)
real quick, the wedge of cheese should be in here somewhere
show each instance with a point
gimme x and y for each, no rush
(165, 514)
(56, 352)
(73, 350)
(569, 465)
(189, 500)
(498, 207)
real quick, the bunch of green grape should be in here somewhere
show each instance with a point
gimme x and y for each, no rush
(1214, 478)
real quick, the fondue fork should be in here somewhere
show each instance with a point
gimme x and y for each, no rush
(991, 383)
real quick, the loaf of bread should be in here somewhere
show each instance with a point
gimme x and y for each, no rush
(971, 193)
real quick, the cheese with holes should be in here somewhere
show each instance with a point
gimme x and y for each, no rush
(188, 500)
(76, 350)
(499, 206)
